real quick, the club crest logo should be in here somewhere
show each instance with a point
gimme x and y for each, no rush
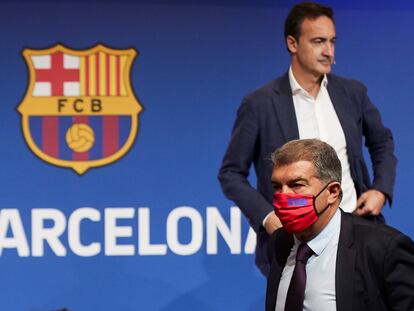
(79, 110)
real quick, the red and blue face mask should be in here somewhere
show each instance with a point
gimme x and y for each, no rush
(297, 212)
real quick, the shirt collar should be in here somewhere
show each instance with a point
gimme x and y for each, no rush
(295, 86)
(319, 243)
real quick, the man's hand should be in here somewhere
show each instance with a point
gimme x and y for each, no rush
(370, 203)
(272, 223)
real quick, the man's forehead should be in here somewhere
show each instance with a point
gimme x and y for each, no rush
(296, 170)
(321, 26)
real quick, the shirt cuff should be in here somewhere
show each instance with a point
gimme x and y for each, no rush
(267, 216)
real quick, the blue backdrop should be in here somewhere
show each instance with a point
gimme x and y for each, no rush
(196, 60)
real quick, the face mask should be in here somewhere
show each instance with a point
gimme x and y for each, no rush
(297, 212)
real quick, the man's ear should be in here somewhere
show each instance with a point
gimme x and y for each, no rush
(291, 44)
(334, 192)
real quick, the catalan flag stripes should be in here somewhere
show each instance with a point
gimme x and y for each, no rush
(49, 134)
(102, 74)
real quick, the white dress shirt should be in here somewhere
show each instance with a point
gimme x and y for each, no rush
(320, 291)
(316, 118)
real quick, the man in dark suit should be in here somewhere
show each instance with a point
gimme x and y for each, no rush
(325, 259)
(307, 102)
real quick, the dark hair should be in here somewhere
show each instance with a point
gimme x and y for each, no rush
(300, 12)
(322, 155)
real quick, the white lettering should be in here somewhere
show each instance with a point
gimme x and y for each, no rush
(145, 246)
(250, 245)
(11, 218)
(183, 232)
(232, 235)
(113, 231)
(196, 230)
(74, 232)
(50, 235)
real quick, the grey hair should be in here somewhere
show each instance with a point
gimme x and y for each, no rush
(322, 155)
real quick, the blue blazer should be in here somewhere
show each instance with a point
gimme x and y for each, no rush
(374, 266)
(266, 120)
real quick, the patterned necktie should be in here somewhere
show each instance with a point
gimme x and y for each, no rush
(296, 291)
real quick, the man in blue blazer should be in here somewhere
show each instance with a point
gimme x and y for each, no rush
(307, 102)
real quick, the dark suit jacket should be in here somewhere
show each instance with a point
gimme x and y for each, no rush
(374, 266)
(266, 120)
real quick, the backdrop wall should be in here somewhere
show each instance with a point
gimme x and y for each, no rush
(159, 234)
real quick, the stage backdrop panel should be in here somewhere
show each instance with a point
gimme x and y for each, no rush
(109, 197)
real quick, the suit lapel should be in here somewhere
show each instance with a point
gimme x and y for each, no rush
(345, 265)
(285, 110)
(280, 244)
(342, 108)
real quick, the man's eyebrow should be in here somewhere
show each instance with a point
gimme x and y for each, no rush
(324, 38)
(278, 183)
(298, 179)
(319, 38)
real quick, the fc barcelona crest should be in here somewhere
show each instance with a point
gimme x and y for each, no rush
(79, 110)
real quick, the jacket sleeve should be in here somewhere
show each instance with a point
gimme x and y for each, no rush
(399, 273)
(233, 175)
(380, 144)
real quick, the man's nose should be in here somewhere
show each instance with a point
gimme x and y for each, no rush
(329, 50)
(285, 189)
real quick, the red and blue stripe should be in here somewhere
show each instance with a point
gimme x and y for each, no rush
(49, 134)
